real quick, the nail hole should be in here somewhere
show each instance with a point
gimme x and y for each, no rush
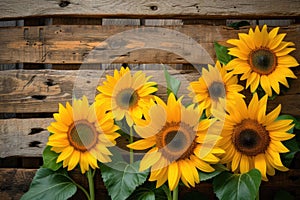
(153, 7)
(39, 97)
(35, 131)
(49, 82)
(64, 4)
(34, 144)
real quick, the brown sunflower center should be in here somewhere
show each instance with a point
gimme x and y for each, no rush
(263, 61)
(217, 90)
(127, 98)
(82, 135)
(250, 137)
(176, 141)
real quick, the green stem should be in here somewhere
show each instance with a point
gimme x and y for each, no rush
(84, 190)
(175, 193)
(131, 158)
(91, 184)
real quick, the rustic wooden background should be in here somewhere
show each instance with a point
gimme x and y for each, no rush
(44, 42)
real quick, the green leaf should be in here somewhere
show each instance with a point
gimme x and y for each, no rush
(51, 185)
(124, 128)
(206, 176)
(143, 194)
(288, 157)
(173, 84)
(283, 195)
(222, 53)
(122, 179)
(237, 186)
(237, 25)
(149, 191)
(49, 159)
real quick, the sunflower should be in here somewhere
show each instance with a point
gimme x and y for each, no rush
(81, 134)
(252, 139)
(126, 95)
(176, 138)
(263, 59)
(215, 88)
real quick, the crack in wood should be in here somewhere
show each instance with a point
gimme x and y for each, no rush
(39, 97)
(29, 82)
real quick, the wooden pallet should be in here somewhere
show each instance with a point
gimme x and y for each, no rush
(43, 44)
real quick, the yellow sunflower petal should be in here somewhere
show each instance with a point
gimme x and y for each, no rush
(277, 146)
(281, 136)
(143, 144)
(150, 158)
(265, 84)
(187, 172)
(279, 125)
(74, 159)
(260, 164)
(244, 164)
(276, 41)
(65, 154)
(272, 116)
(173, 175)
(236, 161)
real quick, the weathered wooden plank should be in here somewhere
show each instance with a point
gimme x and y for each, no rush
(23, 137)
(15, 182)
(62, 44)
(38, 91)
(157, 9)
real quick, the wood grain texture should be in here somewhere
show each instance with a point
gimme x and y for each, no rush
(15, 182)
(40, 91)
(75, 44)
(23, 137)
(144, 8)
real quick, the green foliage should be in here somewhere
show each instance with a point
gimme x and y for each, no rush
(51, 185)
(206, 176)
(49, 159)
(148, 191)
(124, 130)
(173, 84)
(222, 53)
(237, 186)
(122, 179)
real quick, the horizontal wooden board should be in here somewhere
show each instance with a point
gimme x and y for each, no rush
(76, 44)
(15, 182)
(144, 8)
(23, 137)
(40, 91)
